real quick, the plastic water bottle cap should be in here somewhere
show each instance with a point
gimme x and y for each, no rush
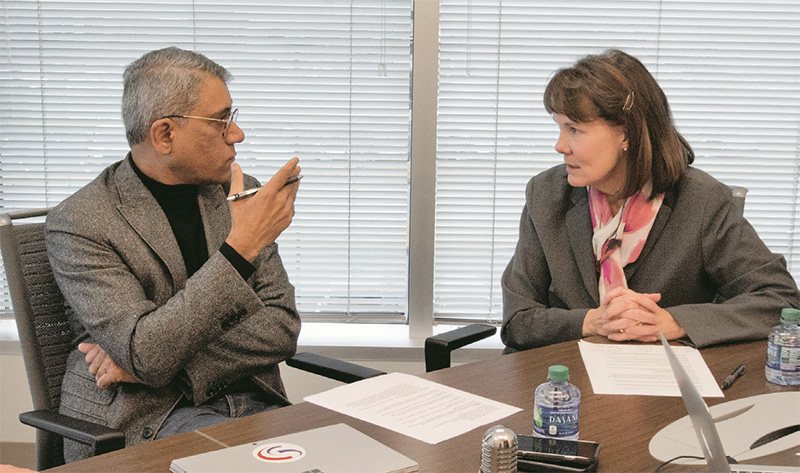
(790, 316)
(558, 373)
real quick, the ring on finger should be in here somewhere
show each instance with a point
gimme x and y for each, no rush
(622, 330)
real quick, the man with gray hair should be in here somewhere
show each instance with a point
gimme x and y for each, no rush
(179, 301)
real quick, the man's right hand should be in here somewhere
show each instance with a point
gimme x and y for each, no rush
(257, 221)
(106, 371)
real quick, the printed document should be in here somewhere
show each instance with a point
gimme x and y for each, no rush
(413, 406)
(643, 370)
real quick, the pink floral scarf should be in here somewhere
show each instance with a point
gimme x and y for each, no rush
(618, 240)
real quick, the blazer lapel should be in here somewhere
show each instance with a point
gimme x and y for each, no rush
(662, 217)
(216, 220)
(139, 207)
(579, 232)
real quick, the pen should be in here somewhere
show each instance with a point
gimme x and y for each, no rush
(731, 378)
(249, 192)
(292, 180)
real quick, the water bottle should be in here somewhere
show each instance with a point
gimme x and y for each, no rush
(556, 406)
(783, 350)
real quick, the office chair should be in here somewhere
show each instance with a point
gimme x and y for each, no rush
(46, 340)
(739, 195)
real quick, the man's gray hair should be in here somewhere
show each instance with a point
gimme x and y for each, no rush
(163, 82)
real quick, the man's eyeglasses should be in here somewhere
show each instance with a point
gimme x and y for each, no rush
(226, 123)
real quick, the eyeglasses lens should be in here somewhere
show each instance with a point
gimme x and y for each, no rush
(231, 119)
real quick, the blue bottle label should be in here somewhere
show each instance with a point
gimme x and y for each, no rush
(781, 358)
(773, 356)
(555, 421)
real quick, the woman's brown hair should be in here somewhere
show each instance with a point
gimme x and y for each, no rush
(616, 87)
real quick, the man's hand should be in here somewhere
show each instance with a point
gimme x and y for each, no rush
(105, 371)
(258, 220)
(628, 315)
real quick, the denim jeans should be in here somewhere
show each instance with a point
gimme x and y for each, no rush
(186, 418)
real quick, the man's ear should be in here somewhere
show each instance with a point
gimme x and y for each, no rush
(161, 135)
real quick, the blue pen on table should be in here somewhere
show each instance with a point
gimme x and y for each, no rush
(249, 192)
(731, 378)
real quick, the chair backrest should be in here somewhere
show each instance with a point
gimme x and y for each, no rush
(739, 196)
(39, 308)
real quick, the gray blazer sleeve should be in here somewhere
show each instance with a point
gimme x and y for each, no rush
(752, 284)
(260, 340)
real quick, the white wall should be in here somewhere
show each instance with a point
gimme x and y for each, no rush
(15, 397)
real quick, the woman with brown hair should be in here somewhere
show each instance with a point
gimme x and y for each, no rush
(625, 239)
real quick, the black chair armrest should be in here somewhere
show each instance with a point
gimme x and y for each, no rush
(101, 438)
(331, 367)
(438, 347)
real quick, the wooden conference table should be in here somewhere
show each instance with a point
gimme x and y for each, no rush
(623, 425)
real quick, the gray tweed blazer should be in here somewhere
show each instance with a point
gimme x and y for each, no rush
(119, 266)
(715, 275)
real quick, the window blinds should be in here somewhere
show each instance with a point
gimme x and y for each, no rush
(730, 69)
(328, 82)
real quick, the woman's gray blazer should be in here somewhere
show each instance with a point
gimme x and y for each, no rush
(119, 266)
(715, 275)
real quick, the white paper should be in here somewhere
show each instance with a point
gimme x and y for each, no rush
(413, 406)
(643, 370)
